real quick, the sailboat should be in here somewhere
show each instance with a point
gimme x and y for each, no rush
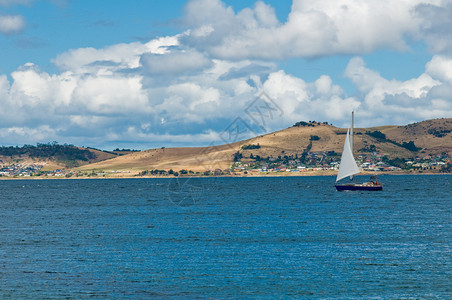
(349, 168)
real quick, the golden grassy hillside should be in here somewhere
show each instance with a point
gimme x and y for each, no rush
(197, 159)
(433, 136)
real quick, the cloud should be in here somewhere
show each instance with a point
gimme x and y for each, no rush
(110, 95)
(191, 102)
(16, 135)
(15, 2)
(257, 68)
(11, 24)
(392, 101)
(103, 108)
(440, 67)
(436, 25)
(300, 100)
(175, 62)
(92, 92)
(312, 29)
(124, 56)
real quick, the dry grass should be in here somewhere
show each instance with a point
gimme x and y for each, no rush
(197, 159)
(290, 141)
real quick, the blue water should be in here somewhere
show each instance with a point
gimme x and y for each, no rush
(225, 238)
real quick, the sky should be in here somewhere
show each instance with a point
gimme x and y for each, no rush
(145, 74)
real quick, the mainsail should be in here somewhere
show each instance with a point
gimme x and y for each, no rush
(348, 166)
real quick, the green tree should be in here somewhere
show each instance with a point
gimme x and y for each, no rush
(237, 156)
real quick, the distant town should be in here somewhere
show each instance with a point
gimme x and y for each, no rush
(313, 161)
(323, 161)
(21, 170)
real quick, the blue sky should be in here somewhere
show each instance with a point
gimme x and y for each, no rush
(143, 74)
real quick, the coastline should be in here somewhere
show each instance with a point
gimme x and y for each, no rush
(253, 175)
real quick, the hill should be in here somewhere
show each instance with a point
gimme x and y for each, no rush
(52, 156)
(427, 138)
(197, 159)
(433, 136)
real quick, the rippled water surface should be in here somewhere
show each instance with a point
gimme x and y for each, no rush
(225, 238)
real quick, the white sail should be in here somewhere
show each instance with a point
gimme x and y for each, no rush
(348, 166)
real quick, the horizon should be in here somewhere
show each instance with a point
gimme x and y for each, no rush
(151, 74)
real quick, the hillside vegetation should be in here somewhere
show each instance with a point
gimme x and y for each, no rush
(52, 153)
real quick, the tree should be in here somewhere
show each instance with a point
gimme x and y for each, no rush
(314, 138)
(410, 146)
(237, 156)
(250, 147)
(377, 134)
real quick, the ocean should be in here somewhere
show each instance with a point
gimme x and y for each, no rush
(225, 238)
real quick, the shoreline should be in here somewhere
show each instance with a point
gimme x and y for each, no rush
(306, 174)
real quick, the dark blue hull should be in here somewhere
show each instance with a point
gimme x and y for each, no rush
(358, 187)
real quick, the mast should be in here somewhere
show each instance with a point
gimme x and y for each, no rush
(351, 130)
(351, 140)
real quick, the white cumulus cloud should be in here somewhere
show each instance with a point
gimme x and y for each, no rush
(112, 58)
(440, 67)
(393, 101)
(300, 100)
(312, 29)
